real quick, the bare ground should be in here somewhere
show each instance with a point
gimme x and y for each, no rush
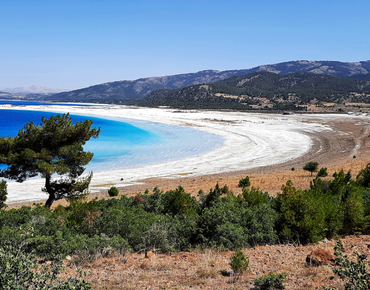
(210, 269)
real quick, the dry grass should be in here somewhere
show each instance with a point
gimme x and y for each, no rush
(103, 185)
(210, 269)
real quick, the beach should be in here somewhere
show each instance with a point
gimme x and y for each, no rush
(253, 143)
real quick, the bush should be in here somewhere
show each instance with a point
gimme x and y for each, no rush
(225, 189)
(239, 263)
(129, 222)
(20, 270)
(363, 178)
(156, 238)
(113, 191)
(353, 272)
(323, 172)
(232, 223)
(270, 281)
(292, 169)
(178, 202)
(307, 216)
(244, 182)
(255, 196)
(206, 200)
(3, 194)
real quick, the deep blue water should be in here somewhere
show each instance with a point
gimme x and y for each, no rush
(124, 144)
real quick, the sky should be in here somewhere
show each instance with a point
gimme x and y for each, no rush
(71, 44)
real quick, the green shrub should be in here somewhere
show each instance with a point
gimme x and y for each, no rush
(363, 178)
(113, 191)
(366, 200)
(154, 202)
(156, 238)
(178, 202)
(255, 196)
(353, 219)
(307, 216)
(323, 172)
(231, 223)
(206, 200)
(225, 189)
(354, 273)
(270, 281)
(292, 169)
(128, 222)
(182, 231)
(3, 194)
(244, 182)
(238, 262)
(20, 270)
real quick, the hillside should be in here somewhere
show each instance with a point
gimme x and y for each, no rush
(265, 90)
(128, 90)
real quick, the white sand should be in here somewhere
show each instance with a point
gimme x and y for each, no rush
(251, 140)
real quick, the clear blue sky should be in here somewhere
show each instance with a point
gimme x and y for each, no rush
(72, 44)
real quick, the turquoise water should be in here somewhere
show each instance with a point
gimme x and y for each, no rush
(126, 143)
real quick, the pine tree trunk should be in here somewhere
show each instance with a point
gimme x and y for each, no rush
(49, 190)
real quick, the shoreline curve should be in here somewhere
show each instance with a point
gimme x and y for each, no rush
(252, 141)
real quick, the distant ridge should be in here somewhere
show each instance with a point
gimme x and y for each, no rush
(123, 91)
(32, 90)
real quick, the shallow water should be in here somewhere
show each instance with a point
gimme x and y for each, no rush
(125, 143)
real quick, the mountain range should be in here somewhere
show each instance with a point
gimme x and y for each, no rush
(264, 90)
(128, 91)
(32, 90)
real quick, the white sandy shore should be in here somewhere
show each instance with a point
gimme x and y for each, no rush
(251, 140)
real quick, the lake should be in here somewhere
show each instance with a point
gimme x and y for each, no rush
(124, 143)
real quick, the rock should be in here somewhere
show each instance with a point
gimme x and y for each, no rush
(149, 255)
(320, 257)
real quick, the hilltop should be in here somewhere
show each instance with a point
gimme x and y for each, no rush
(132, 90)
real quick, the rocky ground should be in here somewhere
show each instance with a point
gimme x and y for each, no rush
(210, 269)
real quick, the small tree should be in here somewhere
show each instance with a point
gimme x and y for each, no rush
(3, 194)
(244, 182)
(363, 178)
(113, 191)
(323, 172)
(54, 147)
(238, 262)
(311, 167)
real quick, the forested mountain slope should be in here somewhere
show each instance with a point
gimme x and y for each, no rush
(128, 90)
(276, 91)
